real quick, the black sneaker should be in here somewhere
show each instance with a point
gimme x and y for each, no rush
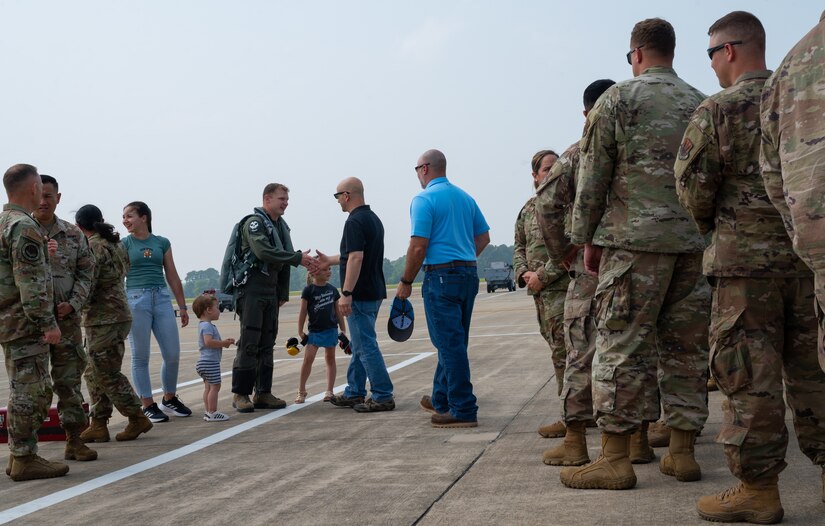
(371, 406)
(343, 401)
(154, 414)
(175, 406)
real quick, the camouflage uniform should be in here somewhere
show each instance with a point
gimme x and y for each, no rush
(72, 270)
(531, 255)
(652, 298)
(257, 303)
(26, 312)
(107, 320)
(761, 322)
(792, 154)
(554, 200)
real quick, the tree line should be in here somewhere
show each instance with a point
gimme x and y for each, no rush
(196, 281)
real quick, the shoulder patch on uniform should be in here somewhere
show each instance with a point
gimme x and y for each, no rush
(685, 148)
(254, 226)
(30, 251)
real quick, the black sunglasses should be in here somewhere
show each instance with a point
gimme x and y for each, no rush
(627, 56)
(420, 166)
(714, 49)
(336, 195)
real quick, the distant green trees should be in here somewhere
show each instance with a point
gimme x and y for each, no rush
(197, 281)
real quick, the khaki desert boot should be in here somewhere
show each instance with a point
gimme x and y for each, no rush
(679, 461)
(267, 401)
(76, 449)
(97, 431)
(658, 434)
(242, 403)
(31, 467)
(9, 465)
(754, 502)
(640, 450)
(555, 430)
(612, 470)
(137, 425)
(712, 384)
(573, 449)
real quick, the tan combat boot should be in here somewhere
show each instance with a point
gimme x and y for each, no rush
(559, 379)
(31, 467)
(554, 430)
(76, 449)
(572, 451)
(712, 384)
(658, 434)
(640, 450)
(9, 465)
(242, 403)
(612, 470)
(756, 502)
(97, 431)
(267, 401)
(137, 424)
(679, 461)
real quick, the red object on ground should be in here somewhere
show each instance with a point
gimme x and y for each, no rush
(49, 431)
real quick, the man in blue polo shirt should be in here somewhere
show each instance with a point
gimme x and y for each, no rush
(448, 233)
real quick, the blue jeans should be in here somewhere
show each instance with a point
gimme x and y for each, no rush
(152, 312)
(449, 295)
(366, 361)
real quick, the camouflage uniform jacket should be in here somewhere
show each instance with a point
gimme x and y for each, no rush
(530, 254)
(554, 201)
(793, 144)
(276, 252)
(26, 293)
(72, 266)
(626, 195)
(720, 185)
(107, 301)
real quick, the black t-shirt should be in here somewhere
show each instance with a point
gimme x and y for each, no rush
(363, 231)
(321, 307)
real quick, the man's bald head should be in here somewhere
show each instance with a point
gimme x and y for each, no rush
(353, 185)
(436, 161)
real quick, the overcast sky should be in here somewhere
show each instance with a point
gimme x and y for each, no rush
(194, 106)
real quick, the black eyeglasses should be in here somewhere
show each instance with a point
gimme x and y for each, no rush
(714, 49)
(627, 56)
(420, 166)
(336, 195)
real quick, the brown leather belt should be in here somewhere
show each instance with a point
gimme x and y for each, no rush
(451, 264)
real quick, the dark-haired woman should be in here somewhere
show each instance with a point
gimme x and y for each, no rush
(152, 267)
(107, 319)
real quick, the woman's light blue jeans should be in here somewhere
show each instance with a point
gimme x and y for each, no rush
(152, 313)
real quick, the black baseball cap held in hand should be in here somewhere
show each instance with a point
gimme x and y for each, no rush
(402, 319)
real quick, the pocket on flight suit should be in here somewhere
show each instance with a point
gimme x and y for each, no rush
(613, 298)
(730, 362)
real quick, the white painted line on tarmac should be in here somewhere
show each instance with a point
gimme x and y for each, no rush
(69, 493)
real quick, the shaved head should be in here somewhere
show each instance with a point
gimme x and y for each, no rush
(352, 185)
(436, 160)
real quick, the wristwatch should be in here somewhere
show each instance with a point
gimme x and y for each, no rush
(346, 293)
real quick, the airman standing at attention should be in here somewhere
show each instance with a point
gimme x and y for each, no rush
(28, 325)
(793, 158)
(762, 325)
(653, 301)
(545, 281)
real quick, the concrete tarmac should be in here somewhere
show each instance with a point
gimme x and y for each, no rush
(318, 464)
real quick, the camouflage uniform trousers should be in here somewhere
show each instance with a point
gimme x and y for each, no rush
(550, 314)
(650, 306)
(68, 361)
(763, 332)
(580, 343)
(107, 385)
(30, 392)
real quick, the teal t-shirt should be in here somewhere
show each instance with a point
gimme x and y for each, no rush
(146, 258)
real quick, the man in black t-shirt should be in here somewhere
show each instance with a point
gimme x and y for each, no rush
(363, 289)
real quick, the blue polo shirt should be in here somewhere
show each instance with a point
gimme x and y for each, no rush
(447, 216)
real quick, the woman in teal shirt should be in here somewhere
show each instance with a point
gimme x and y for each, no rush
(152, 267)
